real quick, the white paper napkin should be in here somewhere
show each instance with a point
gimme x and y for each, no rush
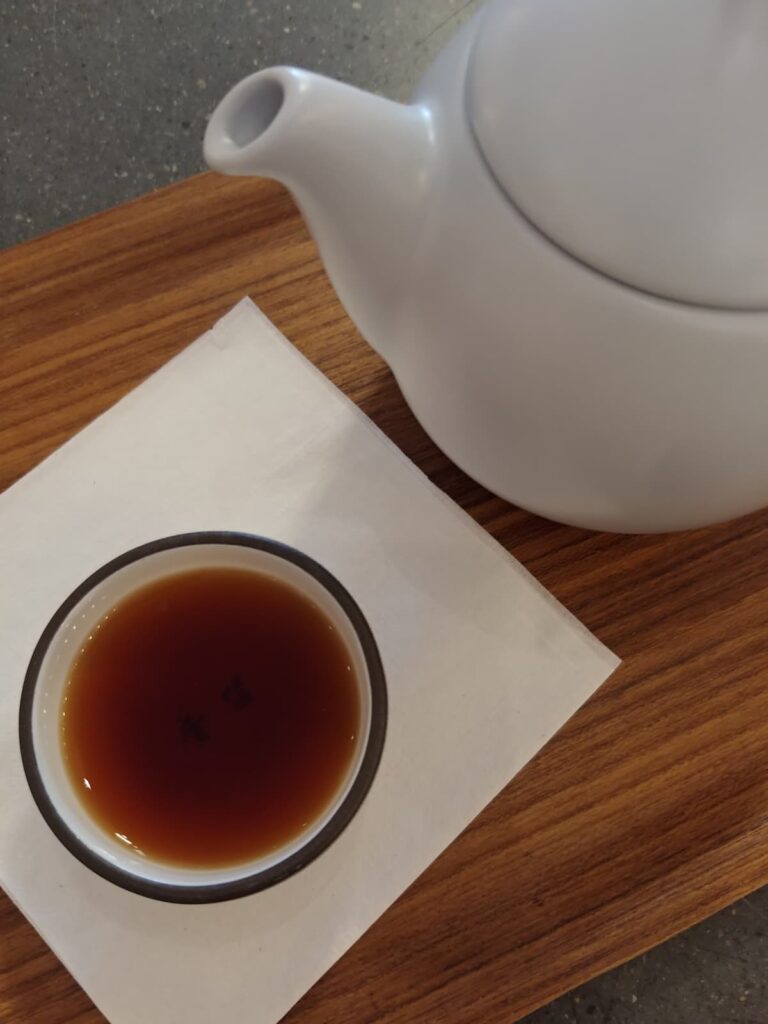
(240, 432)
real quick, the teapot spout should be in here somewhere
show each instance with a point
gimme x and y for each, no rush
(357, 164)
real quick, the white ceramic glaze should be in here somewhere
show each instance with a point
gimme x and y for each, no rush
(48, 703)
(635, 135)
(583, 331)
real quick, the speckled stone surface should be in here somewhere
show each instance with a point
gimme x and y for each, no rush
(715, 973)
(103, 100)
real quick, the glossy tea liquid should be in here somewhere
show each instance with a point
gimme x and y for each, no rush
(211, 717)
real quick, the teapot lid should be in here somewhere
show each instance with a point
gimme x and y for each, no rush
(634, 135)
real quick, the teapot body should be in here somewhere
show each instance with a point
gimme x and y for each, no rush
(574, 395)
(563, 391)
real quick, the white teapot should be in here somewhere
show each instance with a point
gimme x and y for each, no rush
(560, 246)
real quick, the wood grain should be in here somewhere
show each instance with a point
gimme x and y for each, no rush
(647, 812)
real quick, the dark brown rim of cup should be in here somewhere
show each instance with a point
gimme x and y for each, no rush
(218, 892)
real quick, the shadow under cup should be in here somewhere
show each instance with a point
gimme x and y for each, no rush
(47, 677)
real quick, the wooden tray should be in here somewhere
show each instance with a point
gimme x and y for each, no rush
(646, 813)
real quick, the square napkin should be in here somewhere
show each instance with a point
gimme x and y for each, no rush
(240, 432)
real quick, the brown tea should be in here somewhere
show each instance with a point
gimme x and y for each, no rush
(210, 717)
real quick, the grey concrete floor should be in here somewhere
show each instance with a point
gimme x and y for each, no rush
(102, 100)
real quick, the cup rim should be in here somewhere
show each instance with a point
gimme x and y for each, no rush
(317, 844)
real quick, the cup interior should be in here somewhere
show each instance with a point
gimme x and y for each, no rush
(45, 685)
